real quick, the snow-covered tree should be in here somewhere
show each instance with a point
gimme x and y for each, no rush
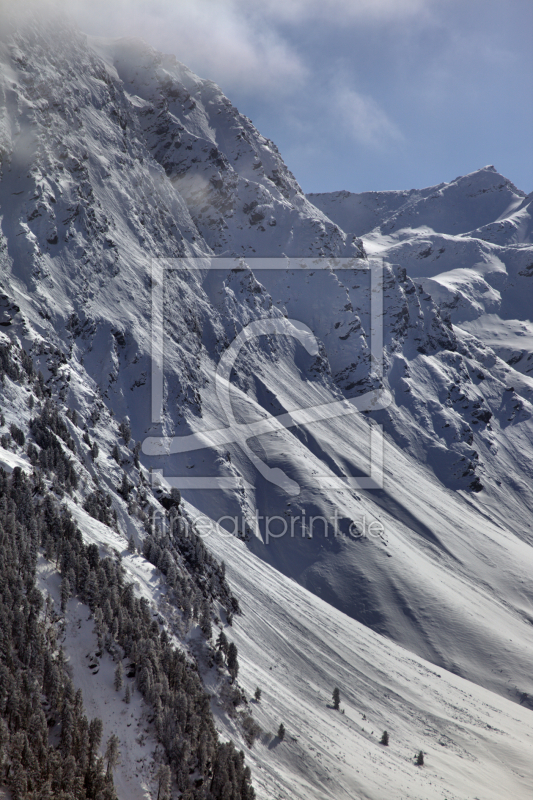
(118, 681)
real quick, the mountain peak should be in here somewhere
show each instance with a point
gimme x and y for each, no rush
(464, 204)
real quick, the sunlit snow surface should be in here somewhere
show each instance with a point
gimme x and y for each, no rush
(297, 649)
(114, 155)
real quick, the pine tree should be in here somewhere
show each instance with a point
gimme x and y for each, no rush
(124, 624)
(163, 778)
(336, 699)
(65, 593)
(281, 732)
(384, 739)
(205, 621)
(125, 487)
(17, 434)
(257, 695)
(233, 664)
(112, 754)
(118, 682)
(125, 431)
(420, 758)
(222, 642)
(95, 736)
(136, 452)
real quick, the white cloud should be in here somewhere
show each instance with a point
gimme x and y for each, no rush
(240, 44)
(236, 51)
(340, 12)
(219, 39)
(362, 118)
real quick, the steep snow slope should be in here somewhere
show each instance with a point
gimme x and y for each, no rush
(467, 244)
(297, 649)
(91, 648)
(94, 186)
(511, 339)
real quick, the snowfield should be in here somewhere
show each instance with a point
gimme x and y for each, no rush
(297, 649)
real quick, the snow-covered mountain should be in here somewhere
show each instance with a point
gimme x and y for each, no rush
(114, 158)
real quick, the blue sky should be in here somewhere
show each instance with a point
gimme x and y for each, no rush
(360, 95)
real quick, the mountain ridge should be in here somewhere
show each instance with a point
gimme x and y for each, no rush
(114, 156)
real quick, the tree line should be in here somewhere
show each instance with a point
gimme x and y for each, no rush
(48, 748)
